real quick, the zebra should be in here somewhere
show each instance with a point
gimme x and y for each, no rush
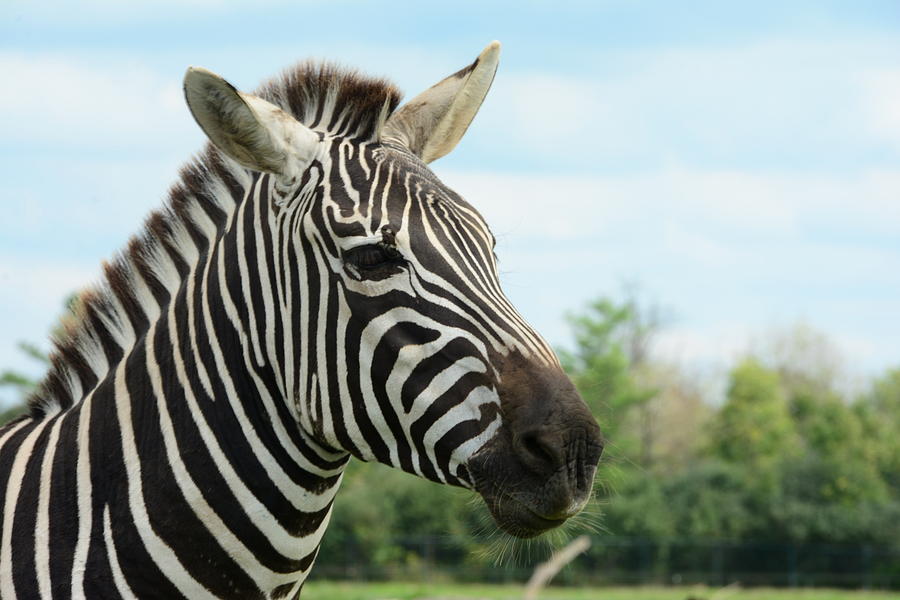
(310, 292)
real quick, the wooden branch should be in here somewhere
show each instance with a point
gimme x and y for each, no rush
(545, 571)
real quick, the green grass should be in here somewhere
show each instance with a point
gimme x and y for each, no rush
(324, 590)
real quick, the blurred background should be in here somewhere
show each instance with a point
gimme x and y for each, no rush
(697, 204)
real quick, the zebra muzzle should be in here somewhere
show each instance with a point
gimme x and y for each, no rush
(538, 470)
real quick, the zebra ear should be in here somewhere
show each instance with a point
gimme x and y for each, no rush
(432, 123)
(255, 133)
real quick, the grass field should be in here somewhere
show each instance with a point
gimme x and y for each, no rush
(322, 590)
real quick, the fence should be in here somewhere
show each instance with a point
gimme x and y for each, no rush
(617, 560)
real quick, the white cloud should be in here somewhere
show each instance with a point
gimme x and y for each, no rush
(776, 100)
(695, 247)
(718, 344)
(58, 99)
(560, 207)
(85, 198)
(92, 12)
(41, 285)
(882, 97)
(556, 207)
(710, 352)
(729, 247)
(34, 291)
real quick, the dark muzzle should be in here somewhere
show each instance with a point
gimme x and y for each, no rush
(539, 469)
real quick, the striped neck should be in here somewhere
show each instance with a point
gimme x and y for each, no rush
(243, 482)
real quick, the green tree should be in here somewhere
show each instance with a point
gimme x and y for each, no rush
(879, 414)
(382, 516)
(754, 433)
(639, 507)
(612, 340)
(754, 427)
(808, 366)
(671, 426)
(709, 499)
(20, 384)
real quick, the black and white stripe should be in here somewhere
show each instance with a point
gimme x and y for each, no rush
(190, 437)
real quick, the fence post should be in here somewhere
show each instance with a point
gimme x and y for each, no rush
(427, 557)
(867, 567)
(793, 572)
(718, 564)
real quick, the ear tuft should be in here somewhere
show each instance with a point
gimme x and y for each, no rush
(250, 130)
(432, 123)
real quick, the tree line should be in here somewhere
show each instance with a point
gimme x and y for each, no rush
(785, 455)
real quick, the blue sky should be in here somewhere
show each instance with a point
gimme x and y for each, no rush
(739, 161)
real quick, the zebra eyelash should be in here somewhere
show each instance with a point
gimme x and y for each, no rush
(373, 261)
(373, 256)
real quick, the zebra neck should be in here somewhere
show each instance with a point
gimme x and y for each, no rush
(233, 324)
(244, 482)
(183, 473)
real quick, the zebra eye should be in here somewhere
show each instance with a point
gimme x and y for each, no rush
(374, 259)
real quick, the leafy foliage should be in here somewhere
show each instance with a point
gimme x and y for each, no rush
(785, 457)
(754, 427)
(21, 384)
(611, 343)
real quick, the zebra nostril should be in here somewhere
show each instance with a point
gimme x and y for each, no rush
(537, 451)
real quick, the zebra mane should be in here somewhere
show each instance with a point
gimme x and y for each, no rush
(107, 319)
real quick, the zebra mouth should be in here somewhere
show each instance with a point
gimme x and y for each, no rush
(517, 518)
(523, 503)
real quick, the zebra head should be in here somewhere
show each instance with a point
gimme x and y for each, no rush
(398, 343)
